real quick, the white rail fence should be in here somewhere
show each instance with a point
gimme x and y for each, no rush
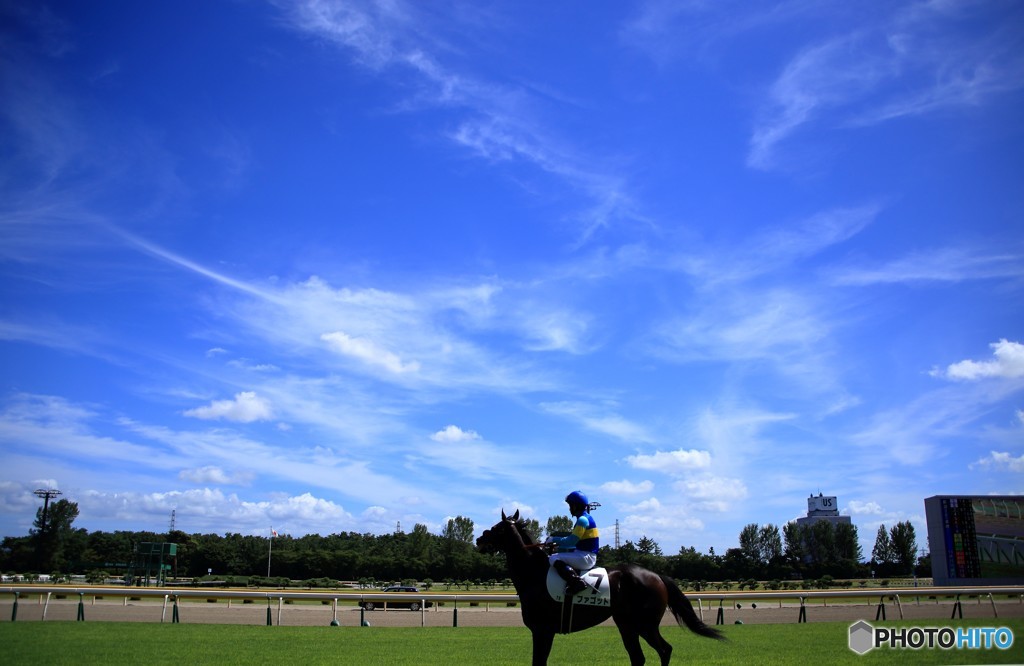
(702, 600)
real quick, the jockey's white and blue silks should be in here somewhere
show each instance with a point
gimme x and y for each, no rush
(579, 549)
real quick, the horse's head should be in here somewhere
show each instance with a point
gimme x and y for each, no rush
(502, 536)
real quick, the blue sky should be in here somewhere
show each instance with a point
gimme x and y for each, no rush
(331, 266)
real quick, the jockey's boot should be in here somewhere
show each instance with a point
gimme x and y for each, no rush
(574, 583)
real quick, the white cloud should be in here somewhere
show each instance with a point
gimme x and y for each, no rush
(648, 505)
(205, 509)
(368, 352)
(245, 408)
(671, 462)
(625, 487)
(212, 474)
(1008, 363)
(1000, 460)
(451, 434)
(865, 508)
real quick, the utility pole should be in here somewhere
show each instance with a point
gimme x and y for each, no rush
(46, 494)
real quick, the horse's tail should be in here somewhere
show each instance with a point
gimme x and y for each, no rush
(684, 613)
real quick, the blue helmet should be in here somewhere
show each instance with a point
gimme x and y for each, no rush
(576, 497)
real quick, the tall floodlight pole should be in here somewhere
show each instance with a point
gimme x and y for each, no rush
(46, 494)
(270, 548)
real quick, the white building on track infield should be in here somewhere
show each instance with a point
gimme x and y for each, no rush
(821, 507)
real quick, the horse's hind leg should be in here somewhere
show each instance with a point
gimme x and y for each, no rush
(631, 640)
(660, 645)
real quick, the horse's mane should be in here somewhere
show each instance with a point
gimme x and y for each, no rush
(521, 528)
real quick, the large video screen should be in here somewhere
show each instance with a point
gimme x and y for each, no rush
(976, 539)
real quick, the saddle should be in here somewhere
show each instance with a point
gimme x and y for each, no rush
(597, 593)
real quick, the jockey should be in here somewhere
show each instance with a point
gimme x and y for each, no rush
(578, 551)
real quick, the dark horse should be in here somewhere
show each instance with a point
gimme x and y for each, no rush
(638, 597)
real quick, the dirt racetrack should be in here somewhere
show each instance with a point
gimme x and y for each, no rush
(113, 609)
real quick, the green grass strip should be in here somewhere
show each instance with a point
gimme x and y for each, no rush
(156, 644)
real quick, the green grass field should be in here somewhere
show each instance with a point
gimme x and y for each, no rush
(157, 644)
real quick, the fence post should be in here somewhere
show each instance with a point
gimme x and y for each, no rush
(174, 614)
(14, 611)
(803, 612)
(957, 609)
(721, 614)
(270, 619)
(81, 607)
(881, 608)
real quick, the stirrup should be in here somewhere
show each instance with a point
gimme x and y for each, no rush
(577, 585)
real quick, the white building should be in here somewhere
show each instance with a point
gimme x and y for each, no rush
(821, 507)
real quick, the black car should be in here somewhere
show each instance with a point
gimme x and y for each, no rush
(414, 605)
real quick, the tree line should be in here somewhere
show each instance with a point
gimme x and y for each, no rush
(765, 552)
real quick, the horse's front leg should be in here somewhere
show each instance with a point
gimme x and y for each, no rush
(542, 641)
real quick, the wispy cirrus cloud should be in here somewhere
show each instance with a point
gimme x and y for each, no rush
(670, 30)
(889, 67)
(498, 123)
(708, 492)
(599, 418)
(938, 265)
(931, 425)
(903, 60)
